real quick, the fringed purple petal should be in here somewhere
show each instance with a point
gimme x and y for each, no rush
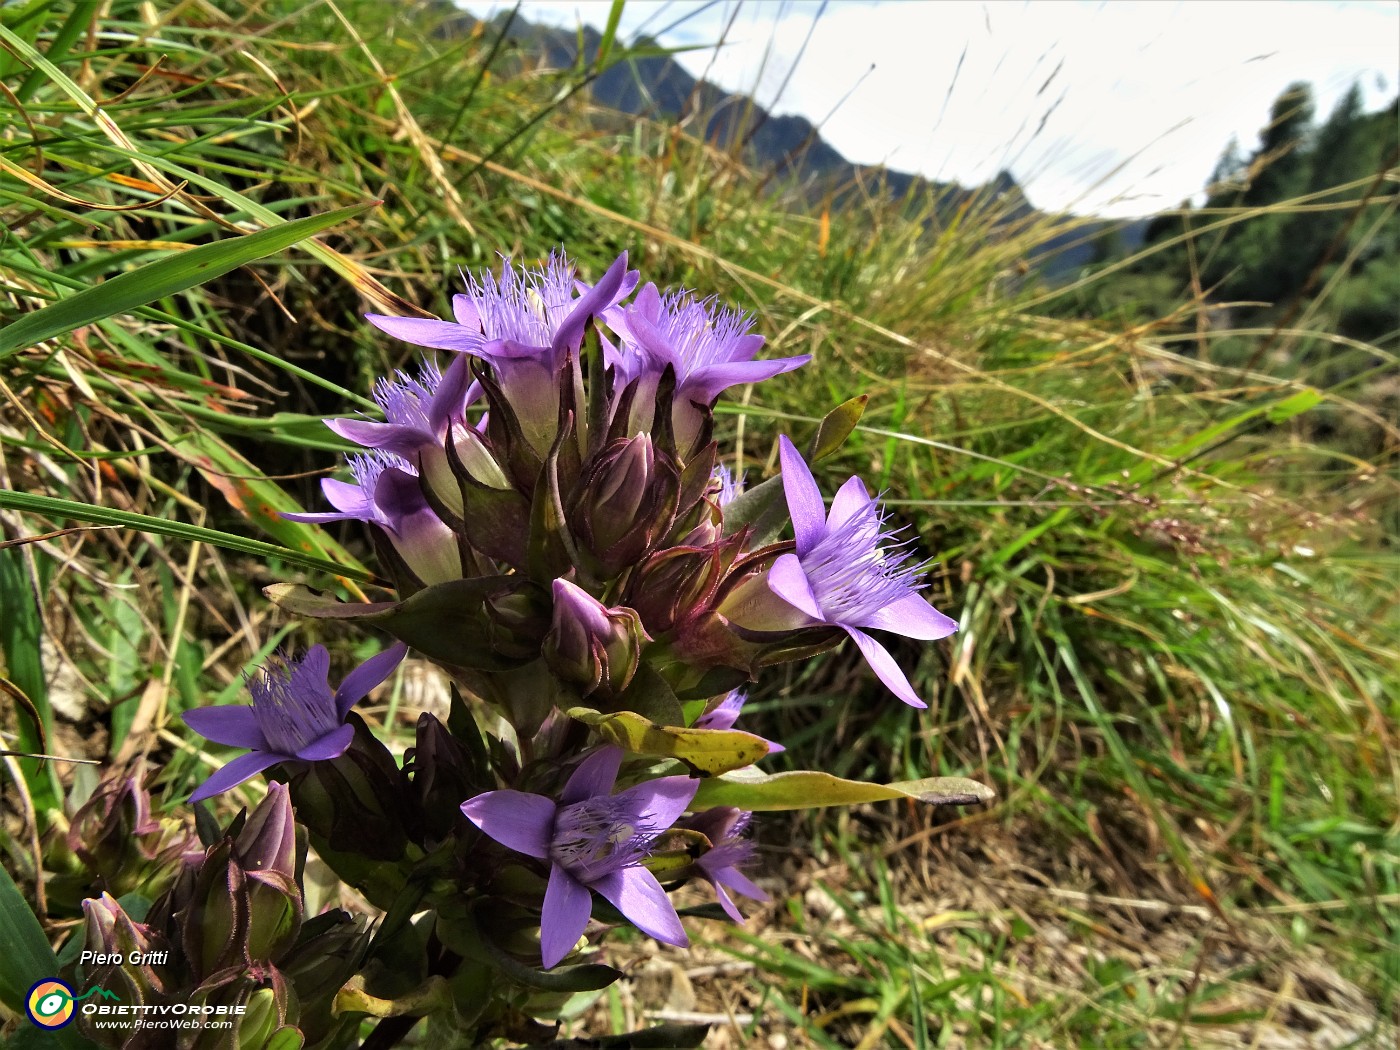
(465, 313)
(635, 892)
(597, 299)
(912, 617)
(390, 437)
(882, 663)
(358, 683)
(660, 802)
(330, 746)
(737, 881)
(804, 499)
(727, 902)
(449, 401)
(516, 819)
(422, 331)
(242, 768)
(233, 726)
(851, 498)
(707, 383)
(787, 580)
(567, 906)
(595, 775)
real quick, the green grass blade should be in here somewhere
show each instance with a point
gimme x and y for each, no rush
(21, 631)
(166, 277)
(62, 508)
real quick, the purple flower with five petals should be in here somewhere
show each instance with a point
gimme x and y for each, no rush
(294, 715)
(594, 840)
(387, 492)
(709, 349)
(719, 865)
(851, 572)
(523, 324)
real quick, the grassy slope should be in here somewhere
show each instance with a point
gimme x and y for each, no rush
(1177, 646)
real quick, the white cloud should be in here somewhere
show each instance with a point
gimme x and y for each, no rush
(1059, 92)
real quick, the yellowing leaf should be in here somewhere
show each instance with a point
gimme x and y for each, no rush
(753, 790)
(708, 752)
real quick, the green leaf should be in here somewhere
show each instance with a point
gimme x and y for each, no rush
(27, 957)
(26, 960)
(609, 34)
(836, 427)
(752, 790)
(708, 752)
(63, 508)
(166, 277)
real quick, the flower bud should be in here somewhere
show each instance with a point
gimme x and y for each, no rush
(427, 546)
(678, 585)
(626, 502)
(590, 645)
(329, 951)
(270, 1009)
(121, 847)
(214, 925)
(109, 931)
(266, 851)
(442, 777)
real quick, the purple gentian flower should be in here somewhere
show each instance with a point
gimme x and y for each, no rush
(421, 413)
(294, 715)
(724, 826)
(708, 347)
(726, 712)
(594, 840)
(844, 574)
(387, 492)
(523, 324)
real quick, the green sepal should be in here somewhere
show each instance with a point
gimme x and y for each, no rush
(445, 622)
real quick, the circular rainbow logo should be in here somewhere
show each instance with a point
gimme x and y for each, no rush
(50, 1003)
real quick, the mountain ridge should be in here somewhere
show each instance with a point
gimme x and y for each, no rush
(790, 148)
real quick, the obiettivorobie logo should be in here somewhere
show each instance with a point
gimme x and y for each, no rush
(50, 1003)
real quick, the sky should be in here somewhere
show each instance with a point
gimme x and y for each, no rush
(1111, 107)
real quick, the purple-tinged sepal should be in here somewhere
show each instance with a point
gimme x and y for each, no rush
(330, 950)
(679, 585)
